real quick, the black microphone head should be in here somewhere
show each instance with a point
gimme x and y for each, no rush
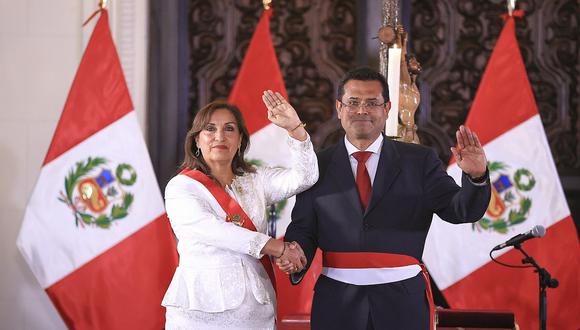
(538, 231)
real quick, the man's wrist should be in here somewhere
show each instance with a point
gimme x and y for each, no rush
(481, 178)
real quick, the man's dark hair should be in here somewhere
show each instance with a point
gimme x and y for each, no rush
(364, 74)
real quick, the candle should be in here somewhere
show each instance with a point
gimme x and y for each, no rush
(393, 77)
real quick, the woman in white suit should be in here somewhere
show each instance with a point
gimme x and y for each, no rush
(217, 209)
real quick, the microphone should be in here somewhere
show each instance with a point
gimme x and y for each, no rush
(537, 231)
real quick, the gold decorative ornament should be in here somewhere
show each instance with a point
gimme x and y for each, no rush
(267, 4)
(393, 34)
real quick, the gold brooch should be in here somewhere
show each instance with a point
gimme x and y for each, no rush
(236, 219)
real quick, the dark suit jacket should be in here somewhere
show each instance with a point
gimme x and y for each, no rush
(409, 186)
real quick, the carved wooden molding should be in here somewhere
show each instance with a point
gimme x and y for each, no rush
(314, 42)
(453, 41)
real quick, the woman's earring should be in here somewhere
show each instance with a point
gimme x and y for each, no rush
(197, 153)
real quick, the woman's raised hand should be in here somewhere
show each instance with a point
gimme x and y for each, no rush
(280, 112)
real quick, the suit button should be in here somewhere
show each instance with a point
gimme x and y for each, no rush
(366, 226)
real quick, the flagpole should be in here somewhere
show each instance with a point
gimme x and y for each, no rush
(272, 213)
(102, 6)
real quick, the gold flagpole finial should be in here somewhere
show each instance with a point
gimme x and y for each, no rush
(267, 4)
(102, 4)
(511, 5)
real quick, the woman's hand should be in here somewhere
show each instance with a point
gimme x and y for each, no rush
(289, 256)
(292, 259)
(283, 115)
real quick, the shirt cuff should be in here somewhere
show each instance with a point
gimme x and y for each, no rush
(481, 181)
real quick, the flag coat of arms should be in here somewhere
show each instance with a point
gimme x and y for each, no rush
(95, 233)
(526, 191)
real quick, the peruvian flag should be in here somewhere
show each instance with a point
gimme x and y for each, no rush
(95, 233)
(260, 71)
(526, 191)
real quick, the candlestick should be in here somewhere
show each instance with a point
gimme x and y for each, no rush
(393, 78)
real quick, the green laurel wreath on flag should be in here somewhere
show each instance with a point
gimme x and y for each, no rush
(118, 211)
(522, 172)
(514, 217)
(120, 171)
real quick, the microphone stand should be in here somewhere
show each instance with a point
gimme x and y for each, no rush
(546, 281)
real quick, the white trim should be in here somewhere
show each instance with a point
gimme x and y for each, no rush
(371, 276)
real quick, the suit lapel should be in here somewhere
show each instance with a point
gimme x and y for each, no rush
(341, 171)
(388, 168)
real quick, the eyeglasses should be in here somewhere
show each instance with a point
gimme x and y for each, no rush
(352, 106)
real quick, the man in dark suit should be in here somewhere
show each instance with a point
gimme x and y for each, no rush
(371, 210)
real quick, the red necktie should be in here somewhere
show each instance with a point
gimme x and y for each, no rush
(363, 180)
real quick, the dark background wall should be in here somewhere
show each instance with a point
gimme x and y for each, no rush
(197, 47)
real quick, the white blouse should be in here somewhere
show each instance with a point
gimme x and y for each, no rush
(218, 260)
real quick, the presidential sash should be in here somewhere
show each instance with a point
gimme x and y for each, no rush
(379, 260)
(234, 212)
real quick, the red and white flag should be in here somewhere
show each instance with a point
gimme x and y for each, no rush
(526, 191)
(95, 233)
(260, 71)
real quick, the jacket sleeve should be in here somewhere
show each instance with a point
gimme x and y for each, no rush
(450, 202)
(301, 173)
(194, 218)
(303, 229)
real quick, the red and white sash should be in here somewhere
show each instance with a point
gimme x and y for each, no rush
(234, 212)
(353, 260)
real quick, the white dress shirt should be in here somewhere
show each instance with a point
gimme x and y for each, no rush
(372, 162)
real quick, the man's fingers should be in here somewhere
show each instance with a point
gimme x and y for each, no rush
(455, 153)
(459, 138)
(476, 138)
(298, 267)
(291, 268)
(297, 262)
(469, 135)
(297, 246)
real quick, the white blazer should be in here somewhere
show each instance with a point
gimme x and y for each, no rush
(218, 260)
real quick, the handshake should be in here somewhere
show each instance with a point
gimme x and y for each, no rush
(292, 259)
